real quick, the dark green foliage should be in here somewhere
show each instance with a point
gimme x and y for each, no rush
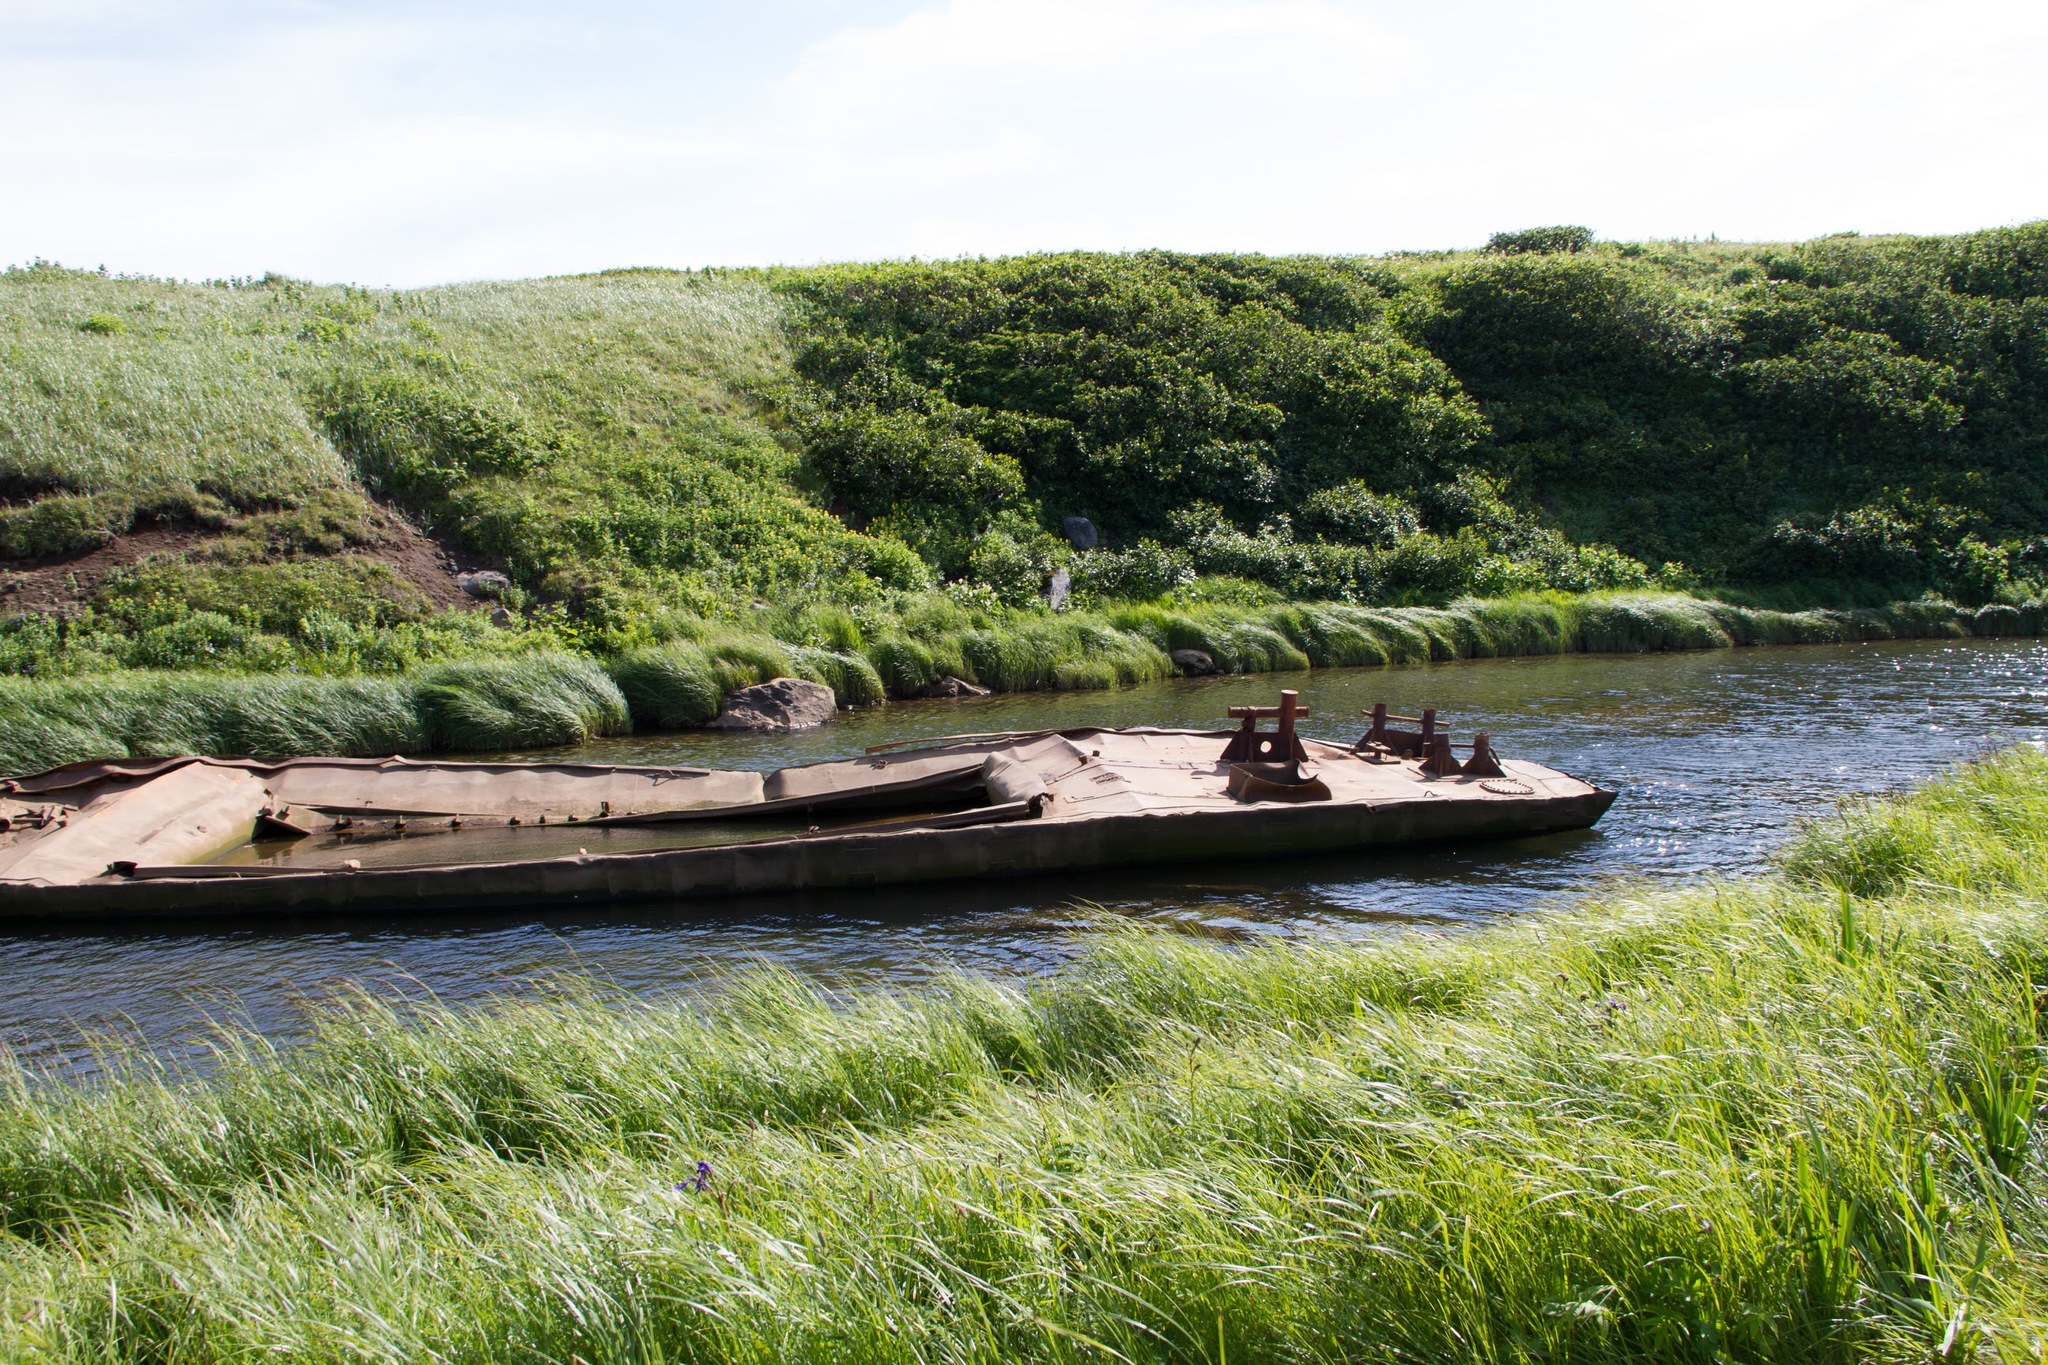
(419, 439)
(1015, 562)
(1123, 387)
(1542, 239)
(1352, 514)
(1719, 406)
(1141, 572)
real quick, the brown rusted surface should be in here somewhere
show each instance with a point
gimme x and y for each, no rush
(1283, 745)
(1400, 743)
(984, 806)
(189, 815)
(1275, 782)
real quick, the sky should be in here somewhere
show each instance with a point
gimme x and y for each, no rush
(407, 144)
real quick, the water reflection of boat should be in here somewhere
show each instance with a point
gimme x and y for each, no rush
(181, 837)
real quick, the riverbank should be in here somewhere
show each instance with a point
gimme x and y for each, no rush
(1791, 1117)
(536, 688)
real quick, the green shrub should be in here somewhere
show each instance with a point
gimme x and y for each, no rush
(420, 439)
(1142, 572)
(1014, 566)
(61, 525)
(1355, 515)
(1565, 238)
(193, 641)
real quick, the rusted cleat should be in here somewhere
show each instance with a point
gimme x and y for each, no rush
(1484, 761)
(1248, 745)
(1440, 761)
(1400, 743)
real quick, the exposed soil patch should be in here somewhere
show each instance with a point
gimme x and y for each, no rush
(62, 583)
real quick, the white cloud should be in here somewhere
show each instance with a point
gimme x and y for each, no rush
(415, 144)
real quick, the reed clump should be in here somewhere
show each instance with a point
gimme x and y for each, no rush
(151, 714)
(525, 701)
(1763, 1120)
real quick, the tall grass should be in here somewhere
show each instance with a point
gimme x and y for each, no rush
(1748, 1121)
(524, 701)
(139, 388)
(552, 696)
(145, 714)
(477, 705)
(1985, 827)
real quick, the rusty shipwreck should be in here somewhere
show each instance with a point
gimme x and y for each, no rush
(185, 837)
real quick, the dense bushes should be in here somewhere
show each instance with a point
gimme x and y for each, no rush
(1122, 388)
(1736, 409)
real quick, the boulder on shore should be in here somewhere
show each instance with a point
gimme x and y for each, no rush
(778, 704)
(485, 583)
(1193, 662)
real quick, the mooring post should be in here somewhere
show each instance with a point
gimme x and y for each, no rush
(1284, 747)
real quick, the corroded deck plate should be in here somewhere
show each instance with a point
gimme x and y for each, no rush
(396, 835)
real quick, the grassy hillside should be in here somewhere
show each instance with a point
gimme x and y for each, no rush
(1795, 1118)
(1858, 414)
(577, 430)
(869, 464)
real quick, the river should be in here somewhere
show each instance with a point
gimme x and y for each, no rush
(1716, 755)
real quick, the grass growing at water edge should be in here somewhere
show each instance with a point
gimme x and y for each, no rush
(543, 684)
(1763, 1120)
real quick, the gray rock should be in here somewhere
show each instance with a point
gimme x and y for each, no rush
(1057, 587)
(1080, 533)
(488, 583)
(1193, 662)
(950, 686)
(778, 704)
(502, 618)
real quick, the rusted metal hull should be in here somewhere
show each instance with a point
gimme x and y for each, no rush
(814, 862)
